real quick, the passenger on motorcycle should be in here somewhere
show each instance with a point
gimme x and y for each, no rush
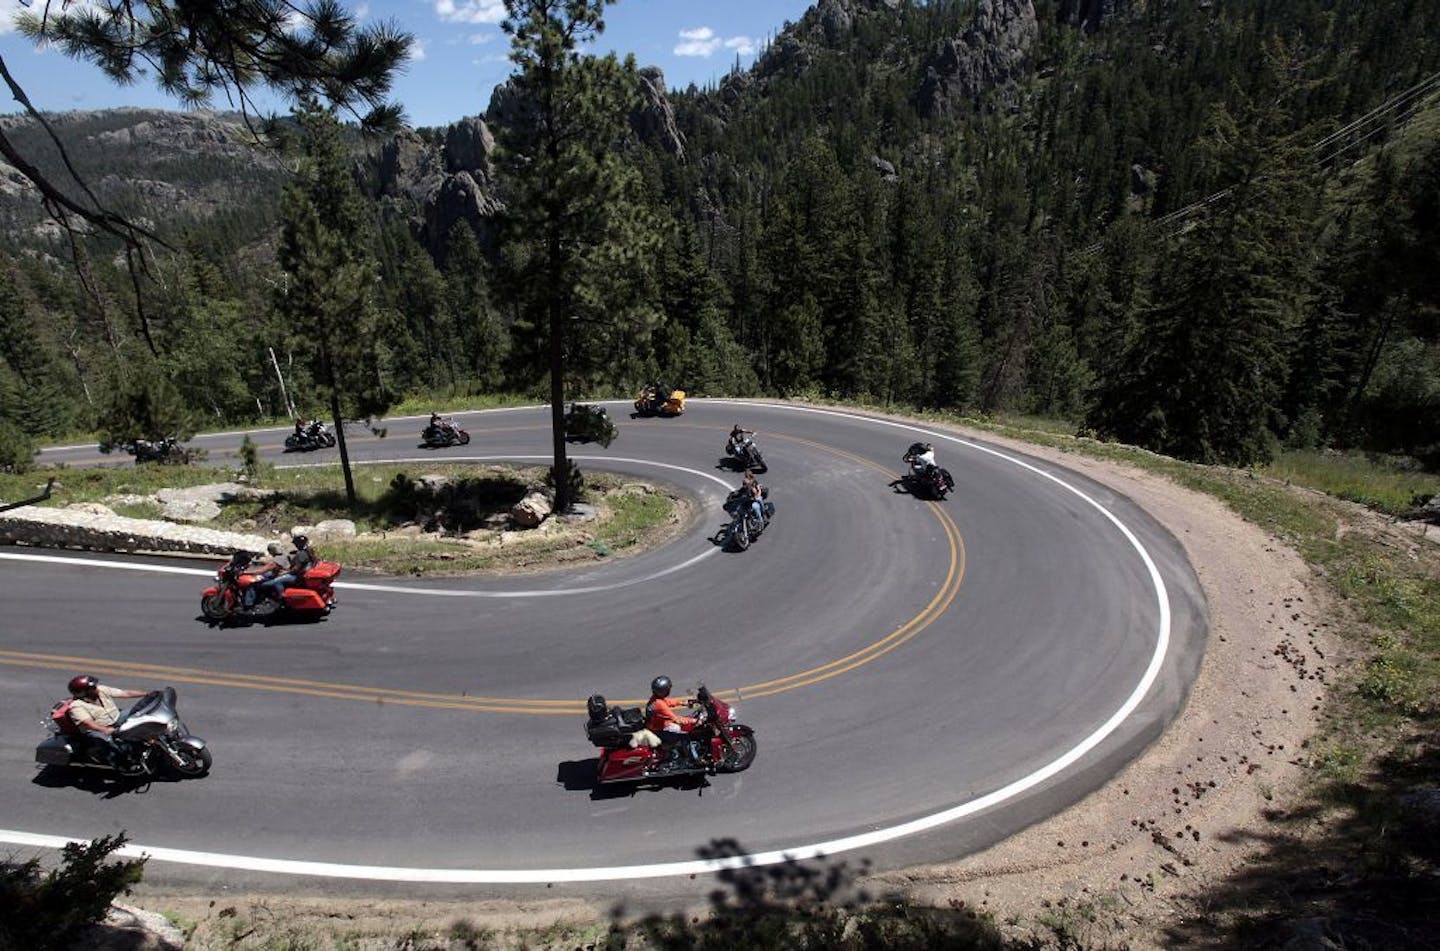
(662, 719)
(921, 456)
(300, 559)
(93, 711)
(754, 492)
(273, 564)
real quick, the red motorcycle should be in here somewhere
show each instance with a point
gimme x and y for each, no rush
(717, 744)
(311, 596)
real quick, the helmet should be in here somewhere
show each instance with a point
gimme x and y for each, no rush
(275, 548)
(660, 686)
(301, 541)
(83, 684)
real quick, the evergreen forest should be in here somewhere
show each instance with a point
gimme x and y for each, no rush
(1209, 229)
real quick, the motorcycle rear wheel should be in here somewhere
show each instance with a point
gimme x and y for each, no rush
(197, 762)
(742, 754)
(213, 606)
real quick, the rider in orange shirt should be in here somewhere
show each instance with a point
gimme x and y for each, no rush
(662, 719)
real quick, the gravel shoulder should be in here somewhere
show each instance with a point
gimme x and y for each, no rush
(1118, 868)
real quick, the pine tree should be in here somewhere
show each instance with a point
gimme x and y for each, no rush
(484, 339)
(579, 239)
(1205, 378)
(329, 297)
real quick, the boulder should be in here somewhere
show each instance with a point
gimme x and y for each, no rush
(131, 929)
(335, 528)
(530, 511)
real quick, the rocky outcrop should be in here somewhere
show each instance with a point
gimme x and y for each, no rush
(439, 183)
(835, 19)
(980, 68)
(654, 120)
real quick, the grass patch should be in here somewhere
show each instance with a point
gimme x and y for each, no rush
(1383, 484)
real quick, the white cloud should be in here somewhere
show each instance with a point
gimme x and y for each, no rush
(362, 12)
(743, 45)
(476, 39)
(470, 11)
(8, 9)
(417, 51)
(703, 42)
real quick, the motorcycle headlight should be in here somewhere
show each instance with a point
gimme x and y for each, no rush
(173, 727)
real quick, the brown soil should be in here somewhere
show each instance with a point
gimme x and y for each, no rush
(1123, 867)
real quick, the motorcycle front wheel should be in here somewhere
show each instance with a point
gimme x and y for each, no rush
(213, 606)
(740, 533)
(194, 763)
(464, 439)
(741, 755)
(329, 439)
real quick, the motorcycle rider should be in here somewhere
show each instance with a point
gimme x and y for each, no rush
(662, 719)
(737, 438)
(94, 711)
(752, 491)
(920, 456)
(301, 558)
(274, 563)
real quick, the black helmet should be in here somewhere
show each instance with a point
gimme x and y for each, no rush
(660, 686)
(301, 541)
(83, 684)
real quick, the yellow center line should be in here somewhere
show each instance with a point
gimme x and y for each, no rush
(946, 594)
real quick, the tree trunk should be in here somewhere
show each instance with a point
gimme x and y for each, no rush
(557, 406)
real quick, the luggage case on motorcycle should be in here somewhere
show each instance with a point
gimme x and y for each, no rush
(54, 751)
(612, 726)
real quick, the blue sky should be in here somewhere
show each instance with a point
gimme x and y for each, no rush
(460, 55)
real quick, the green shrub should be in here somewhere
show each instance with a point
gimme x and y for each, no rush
(48, 910)
(17, 450)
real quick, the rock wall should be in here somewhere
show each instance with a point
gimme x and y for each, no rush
(95, 528)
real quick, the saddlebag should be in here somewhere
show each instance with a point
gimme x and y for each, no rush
(54, 751)
(615, 727)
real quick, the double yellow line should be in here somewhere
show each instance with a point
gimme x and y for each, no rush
(949, 588)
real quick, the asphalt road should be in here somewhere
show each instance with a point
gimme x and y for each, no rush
(924, 679)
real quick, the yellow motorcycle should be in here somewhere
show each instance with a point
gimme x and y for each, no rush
(657, 400)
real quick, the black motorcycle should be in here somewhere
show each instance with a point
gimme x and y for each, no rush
(746, 454)
(166, 451)
(149, 740)
(744, 526)
(314, 436)
(585, 422)
(444, 434)
(929, 480)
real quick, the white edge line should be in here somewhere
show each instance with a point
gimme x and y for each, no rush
(423, 592)
(665, 869)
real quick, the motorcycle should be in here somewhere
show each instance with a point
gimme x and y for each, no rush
(744, 527)
(311, 596)
(658, 401)
(930, 480)
(746, 454)
(166, 451)
(717, 744)
(314, 436)
(444, 434)
(149, 740)
(588, 423)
